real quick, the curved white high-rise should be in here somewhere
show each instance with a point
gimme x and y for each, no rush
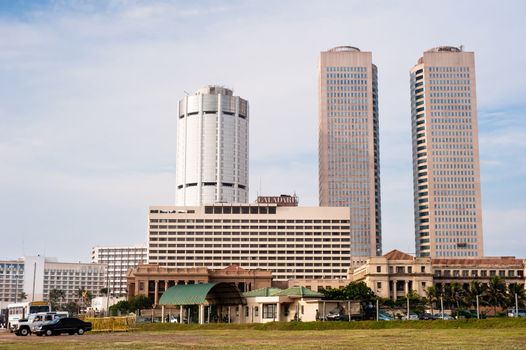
(212, 148)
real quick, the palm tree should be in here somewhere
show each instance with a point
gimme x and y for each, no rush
(496, 293)
(454, 294)
(22, 296)
(84, 297)
(475, 289)
(517, 289)
(55, 297)
(431, 296)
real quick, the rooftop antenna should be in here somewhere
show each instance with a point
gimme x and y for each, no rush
(461, 47)
(187, 94)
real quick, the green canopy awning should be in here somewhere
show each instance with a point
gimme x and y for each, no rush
(195, 294)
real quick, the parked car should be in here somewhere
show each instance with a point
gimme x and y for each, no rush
(512, 313)
(426, 316)
(412, 317)
(384, 316)
(68, 325)
(443, 317)
(337, 317)
(460, 314)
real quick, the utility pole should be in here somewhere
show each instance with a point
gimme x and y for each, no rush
(407, 297)
(34, 277)
(478, 309)
(442, 306)
(16, 284)
(107, 291)
(516, 305)
(377, 311)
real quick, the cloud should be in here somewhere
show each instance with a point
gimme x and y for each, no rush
(87, 115)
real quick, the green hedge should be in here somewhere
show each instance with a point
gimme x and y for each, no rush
(437, 324)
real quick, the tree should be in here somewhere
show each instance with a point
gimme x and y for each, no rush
(416, 302)
(475, 289)
(454, 294)
(518, 289)
(22, 296)
(139, 302)
(71, 307)
(496, 293)
(431, 296)
(131, 305)
(84, 297)
(104, 291)
(122, 306)
(352, 291)
(56, 297)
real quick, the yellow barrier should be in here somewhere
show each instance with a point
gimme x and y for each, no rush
(112, 324)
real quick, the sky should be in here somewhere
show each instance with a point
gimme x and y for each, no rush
(89, 91)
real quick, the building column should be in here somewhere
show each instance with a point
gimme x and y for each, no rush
(241, 313)
(395, 282)
(260, 306)
(406, 287)
(156, 293)
(278, 311)
(201, 314)
(162, 313)
(180, 313)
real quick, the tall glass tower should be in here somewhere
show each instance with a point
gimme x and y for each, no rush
(212, 148)
(446, 169)
(349, 159)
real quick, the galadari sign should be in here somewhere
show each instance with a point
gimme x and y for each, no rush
(281, 201)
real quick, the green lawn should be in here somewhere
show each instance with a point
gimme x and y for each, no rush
(506, 336)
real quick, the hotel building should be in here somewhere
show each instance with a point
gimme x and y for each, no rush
(292, 242)
(212, 148)
(36, 276)
(119, 260)
(348, 141)
(446, 170)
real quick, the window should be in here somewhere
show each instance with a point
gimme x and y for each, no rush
(378, 269)
(269, 311)
(256, 311)
(378, 285)
(422, 269)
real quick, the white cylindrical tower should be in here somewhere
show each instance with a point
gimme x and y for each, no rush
(212, 148)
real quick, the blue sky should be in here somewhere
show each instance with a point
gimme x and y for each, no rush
(90, 88)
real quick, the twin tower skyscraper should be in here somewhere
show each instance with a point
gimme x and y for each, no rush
(212, 149)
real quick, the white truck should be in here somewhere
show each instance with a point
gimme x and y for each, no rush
(30, 325)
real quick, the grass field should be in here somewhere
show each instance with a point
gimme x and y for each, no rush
(486, 334)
